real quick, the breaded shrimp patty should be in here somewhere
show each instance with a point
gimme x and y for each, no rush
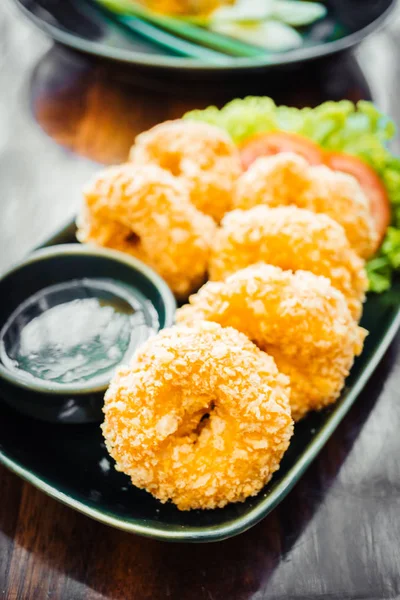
(200, 417)
(146, 212)
(290, 238)
(298, 318)
(202, 155)
(287, 178)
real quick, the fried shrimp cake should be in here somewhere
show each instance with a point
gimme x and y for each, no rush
(200, 417)
(146, 212)
(287, 178)
(202, 155)
(291, 238)
(298, 318)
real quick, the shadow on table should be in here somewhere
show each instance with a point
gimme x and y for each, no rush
(96, 108)
(118, 566)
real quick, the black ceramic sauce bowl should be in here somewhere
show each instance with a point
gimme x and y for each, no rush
(56, 281)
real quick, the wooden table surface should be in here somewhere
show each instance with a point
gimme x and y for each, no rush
(337, 534)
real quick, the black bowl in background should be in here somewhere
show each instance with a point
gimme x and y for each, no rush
(81, 26)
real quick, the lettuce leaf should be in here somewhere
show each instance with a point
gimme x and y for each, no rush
(361, 130)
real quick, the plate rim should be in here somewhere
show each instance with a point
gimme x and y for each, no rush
(178, 64)
(252, 517)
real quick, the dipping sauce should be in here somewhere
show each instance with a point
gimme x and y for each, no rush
(76, 332)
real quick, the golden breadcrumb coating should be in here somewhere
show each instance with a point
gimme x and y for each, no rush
(291, 238)
(298, 318)
(200, 417)
(146, 212)
(203, 155)
(104, 232)
(287, 178)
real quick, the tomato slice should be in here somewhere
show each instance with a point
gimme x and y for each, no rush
(370, 183)
(274, 142)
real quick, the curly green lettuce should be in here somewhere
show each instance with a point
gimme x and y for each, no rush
(360, 130)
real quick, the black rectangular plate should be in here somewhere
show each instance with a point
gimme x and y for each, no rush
(71, 464)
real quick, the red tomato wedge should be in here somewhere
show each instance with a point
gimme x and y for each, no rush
(370, 183)
(274, 142)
